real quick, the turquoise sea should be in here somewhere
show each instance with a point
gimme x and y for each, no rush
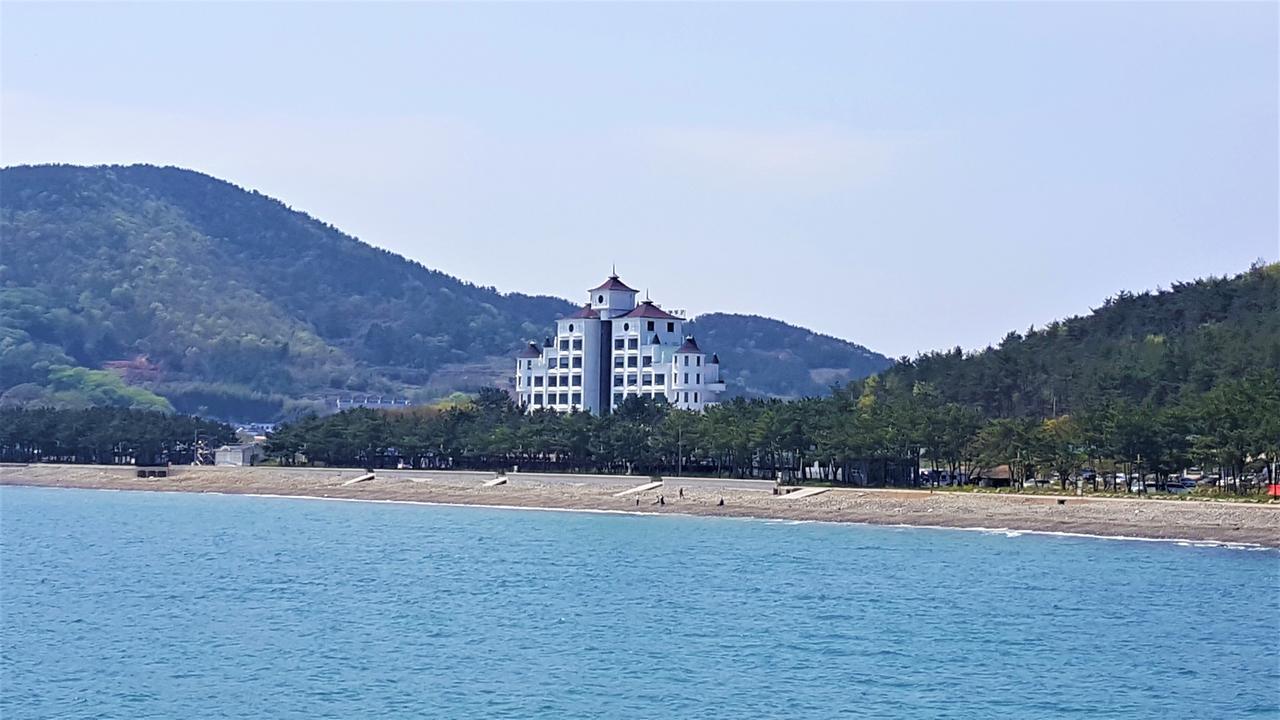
(153, 605)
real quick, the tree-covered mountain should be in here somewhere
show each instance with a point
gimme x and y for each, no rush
(214, 299)
(1153, 349)
(769, 358)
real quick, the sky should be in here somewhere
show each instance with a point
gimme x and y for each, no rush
(909, 176)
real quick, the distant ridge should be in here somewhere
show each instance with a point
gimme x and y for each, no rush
(227, 302)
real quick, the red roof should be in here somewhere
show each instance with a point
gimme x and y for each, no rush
(530, 351)
(689, 346)
(613, 283)
(647, 309)
(585, 313)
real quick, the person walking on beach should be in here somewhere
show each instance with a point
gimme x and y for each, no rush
(682, 492)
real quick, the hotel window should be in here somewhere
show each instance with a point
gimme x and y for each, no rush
(528, 364)
(646, 380)
(686, 361)
(537, 381)
(699, 358)
(659, 379)
(686, 378)
(617, 398)
(631, 361)
(618, 361)
(632, 344)
(537, 399)
(577, 362)
(564, 398)
(686, 397)
(631, 379)
(649, 327)
(577, 381)
(577, 398)
(577, 344)
(648, 361)
(617, 381)
(695, 397)
(671, 327)
(564, 345)
(517, 381)
(564, 362)
(697, 379)
(619, 344)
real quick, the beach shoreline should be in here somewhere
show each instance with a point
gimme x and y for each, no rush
(1140, 519)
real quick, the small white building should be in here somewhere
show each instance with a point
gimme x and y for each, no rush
(238, 455)
(612, 349)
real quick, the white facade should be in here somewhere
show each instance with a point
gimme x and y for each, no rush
(612, 349)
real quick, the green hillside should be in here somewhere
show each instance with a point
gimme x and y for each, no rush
(214, 299)
(1154, 349)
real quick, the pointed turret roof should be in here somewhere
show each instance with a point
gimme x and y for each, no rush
(585, 313)
(647, 309)
(613, 283)
(690, 345)
(715, 359)
(530, 351)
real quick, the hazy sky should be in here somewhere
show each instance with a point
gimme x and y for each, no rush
(908, 176)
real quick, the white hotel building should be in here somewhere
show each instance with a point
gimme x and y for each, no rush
(612, 349)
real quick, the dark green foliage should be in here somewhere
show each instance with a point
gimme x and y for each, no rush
(105, 435)
(1154, 348)
(228, 288)
(865, 433)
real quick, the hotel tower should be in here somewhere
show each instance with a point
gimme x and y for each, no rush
(612, 349)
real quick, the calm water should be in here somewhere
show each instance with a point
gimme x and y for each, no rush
(148, 605)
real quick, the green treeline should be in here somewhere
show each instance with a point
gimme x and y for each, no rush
(870, 432)
(1151, 349)
(106, 435)
(1149, 384)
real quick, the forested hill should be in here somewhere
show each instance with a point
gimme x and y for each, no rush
(771, 358)
(1151, 348)
(226, 301)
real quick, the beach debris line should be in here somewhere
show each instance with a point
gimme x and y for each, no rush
(364, 478)
(804, 493)
(500, 480)
(639, 489)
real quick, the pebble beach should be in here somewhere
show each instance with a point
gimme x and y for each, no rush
(1145, 518)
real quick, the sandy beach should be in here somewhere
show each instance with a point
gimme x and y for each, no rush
(1138, 518)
